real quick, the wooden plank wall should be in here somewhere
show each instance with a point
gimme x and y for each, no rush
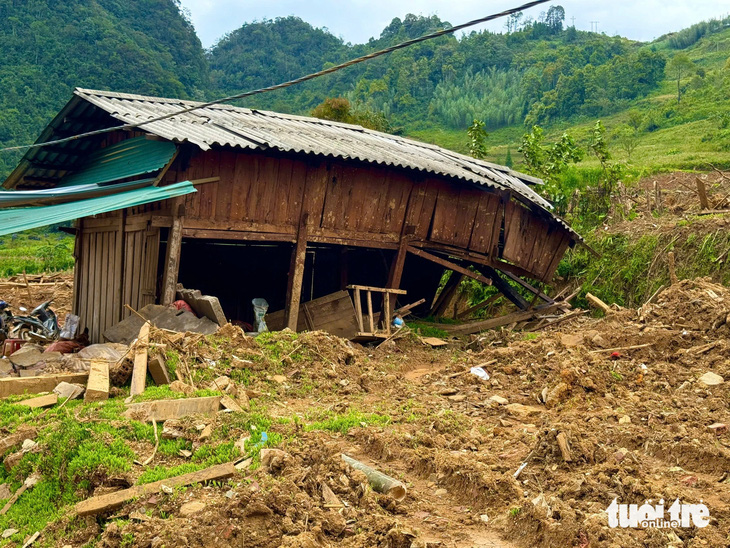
(261, 197)
(114, 266)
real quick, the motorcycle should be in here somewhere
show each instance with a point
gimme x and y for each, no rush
(40, 325)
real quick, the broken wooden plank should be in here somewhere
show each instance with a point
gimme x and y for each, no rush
(407, 308)
(97, 389)
(139, 373)
(702, 193)
(40, 401)
(477, 307)
(158, 369)
(29, 482)
(36, 385)
(616, 349)
(475, 327)
(378, 289)
(161, 410)
(595, 302)
(105, 503)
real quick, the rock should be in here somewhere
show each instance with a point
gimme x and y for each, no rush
(709, 378)
(185, 453)
(441, 492)
(157, 542)
(172, 430)
(221, 383)
(182, 388)
(620, 454)
(281, 379)
(484, 518)
(599, 341)
(557, 394)
(9, 533)
(522, 411)
(5, 492)
(206, 433)
(27, 356)
(625, 420)
(570, 340)
(274, 460)
(67, 390)
(167, 489)
(689, 481)
(190, 508)
(203, 305)
(719, 428)
(499, 400)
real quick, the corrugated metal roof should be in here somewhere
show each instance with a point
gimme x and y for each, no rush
(53, 196)
(129, 158)
(227, 125)
(16, 220)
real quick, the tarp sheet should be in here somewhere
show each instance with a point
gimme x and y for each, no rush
(17, 220)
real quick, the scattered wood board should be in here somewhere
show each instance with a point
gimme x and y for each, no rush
(40, 401)
(161, 410)
(139, 373)
(433, 341)
(105, 503)
(36, 385)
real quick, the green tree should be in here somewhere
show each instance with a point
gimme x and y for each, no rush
(627, 138)
(477, 139)
(679, 66)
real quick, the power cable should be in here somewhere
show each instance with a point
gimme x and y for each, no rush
(290, 83)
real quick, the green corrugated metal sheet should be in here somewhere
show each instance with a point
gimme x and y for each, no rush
(126, 159)
(17, 220)
(52, 196)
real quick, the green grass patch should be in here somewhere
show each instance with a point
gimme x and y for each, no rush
(36, 251)
(343, 422)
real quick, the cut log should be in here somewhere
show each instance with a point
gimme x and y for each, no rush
(161, 410)
(97, 389)
(158, 370)
(379, 481)
(36, 385)
(595, 302)
(139, 373)
(106, 503)
(40, 401)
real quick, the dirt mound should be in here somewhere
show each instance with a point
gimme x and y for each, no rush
(39, 288)
(698, 304)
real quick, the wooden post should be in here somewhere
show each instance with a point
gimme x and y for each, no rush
(394, 279)
(702, 193)
(657, 197)
(172, 262)
(296, 275)
(371, 320)
(358, 310)
(672, 269)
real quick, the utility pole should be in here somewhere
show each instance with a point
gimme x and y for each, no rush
(594, 26)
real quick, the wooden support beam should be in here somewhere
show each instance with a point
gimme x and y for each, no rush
(450, 265)
(394, 278)
(529, 287)
(447, 292)
(106, 503)
(139, 373)
(296, 275)
(507, 289)
(595, 302)
(358, 310)
(172, 260)
(378, 289)
(480, 306)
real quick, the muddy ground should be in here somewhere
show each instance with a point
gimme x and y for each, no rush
(626, 393)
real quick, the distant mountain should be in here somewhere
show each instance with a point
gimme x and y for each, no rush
(51, 46)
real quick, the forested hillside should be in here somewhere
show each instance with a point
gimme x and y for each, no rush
(51, 46)
(656, 99)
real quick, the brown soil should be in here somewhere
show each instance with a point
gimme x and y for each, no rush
(636, 421)
(58, 287)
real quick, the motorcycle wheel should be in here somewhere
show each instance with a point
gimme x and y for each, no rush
(23, 333)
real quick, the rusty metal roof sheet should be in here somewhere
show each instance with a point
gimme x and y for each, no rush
(228, 125)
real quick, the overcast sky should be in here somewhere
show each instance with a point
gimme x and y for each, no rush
(357, 20)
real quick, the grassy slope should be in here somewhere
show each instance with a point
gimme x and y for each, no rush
(678, 144)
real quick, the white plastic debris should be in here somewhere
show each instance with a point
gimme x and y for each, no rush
(479, 372)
